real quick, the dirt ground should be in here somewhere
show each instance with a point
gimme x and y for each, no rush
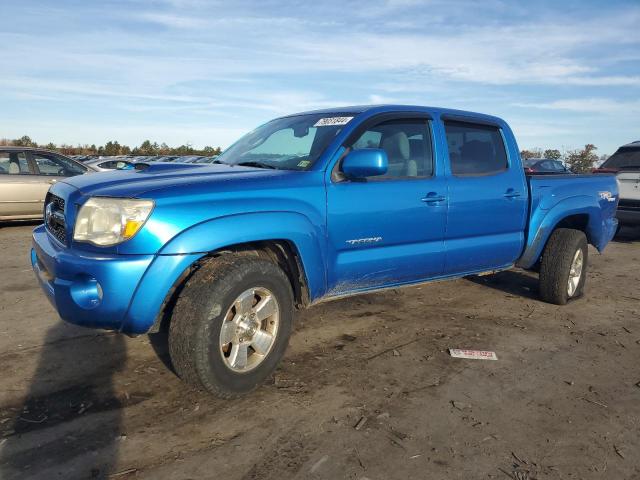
(562, 401)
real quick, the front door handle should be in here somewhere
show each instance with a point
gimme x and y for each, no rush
(433, 197)
(511, 193)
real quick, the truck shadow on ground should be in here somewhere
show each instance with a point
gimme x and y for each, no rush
(512, 282)
(160, 343)
(68, 424)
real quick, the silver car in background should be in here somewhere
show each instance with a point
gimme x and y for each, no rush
(107, 164)
(25, 177)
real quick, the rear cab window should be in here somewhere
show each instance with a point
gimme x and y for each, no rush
(475, 149)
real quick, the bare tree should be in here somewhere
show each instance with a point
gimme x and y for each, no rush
(582, 161)
(552, 154)
(527, 154)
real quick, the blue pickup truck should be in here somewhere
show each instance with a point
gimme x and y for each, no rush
(303, 209)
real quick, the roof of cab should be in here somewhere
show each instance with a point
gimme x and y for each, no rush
(388, 108)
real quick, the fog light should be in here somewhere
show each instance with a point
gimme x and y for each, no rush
(86, 292)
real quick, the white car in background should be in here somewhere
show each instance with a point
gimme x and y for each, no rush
(625, 163)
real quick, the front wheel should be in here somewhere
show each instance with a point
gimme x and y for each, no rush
(563, 268)
(231, 324)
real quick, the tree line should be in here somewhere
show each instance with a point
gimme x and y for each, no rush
(115, 148)
(581, 160)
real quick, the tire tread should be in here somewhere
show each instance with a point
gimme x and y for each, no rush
(556, 263)
(187, 350)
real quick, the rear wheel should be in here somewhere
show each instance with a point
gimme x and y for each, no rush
(563, 267)
(231, 324)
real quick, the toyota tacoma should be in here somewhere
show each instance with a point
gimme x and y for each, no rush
(307, 208)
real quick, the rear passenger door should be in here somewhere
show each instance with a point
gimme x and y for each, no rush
(19, 187)
(487, 199)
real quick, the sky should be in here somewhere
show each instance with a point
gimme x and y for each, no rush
(562, 73)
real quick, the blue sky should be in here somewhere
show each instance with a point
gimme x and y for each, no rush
(204, 72)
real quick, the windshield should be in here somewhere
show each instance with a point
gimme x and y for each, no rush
(289, 143)
(624, 158)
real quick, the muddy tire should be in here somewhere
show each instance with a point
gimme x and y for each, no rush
(231, 325)
(563, 269)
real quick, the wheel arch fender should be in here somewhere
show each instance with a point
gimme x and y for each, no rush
(292, 227)
(581, 212)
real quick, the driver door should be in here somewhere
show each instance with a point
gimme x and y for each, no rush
(389, 229)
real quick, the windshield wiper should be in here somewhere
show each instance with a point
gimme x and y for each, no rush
(254, 163)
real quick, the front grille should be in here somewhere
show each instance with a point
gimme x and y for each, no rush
(54, 218)
(57, 201)
(633, 205)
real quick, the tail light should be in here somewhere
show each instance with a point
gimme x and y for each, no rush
(529, 170)
(605, 170)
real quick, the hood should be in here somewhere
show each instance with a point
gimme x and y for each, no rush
(136, 183)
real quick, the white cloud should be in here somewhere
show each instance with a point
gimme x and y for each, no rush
(604, 81)
(173, 21)
(498, 56)
(588, 105)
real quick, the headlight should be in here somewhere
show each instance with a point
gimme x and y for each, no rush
(109, 221)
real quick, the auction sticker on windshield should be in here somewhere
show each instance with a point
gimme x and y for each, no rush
(331, 121)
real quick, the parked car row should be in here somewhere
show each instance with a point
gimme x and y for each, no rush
(26, 174)
(131, 159)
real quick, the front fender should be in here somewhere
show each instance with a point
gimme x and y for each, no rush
(600, 229)
(230, 230)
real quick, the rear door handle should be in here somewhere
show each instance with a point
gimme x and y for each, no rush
(433, 197)
(511, 193)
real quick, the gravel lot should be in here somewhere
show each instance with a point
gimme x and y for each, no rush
(562, 401)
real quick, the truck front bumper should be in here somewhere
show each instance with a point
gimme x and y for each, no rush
(113, 292)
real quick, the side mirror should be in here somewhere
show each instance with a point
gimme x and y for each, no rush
(367, 162)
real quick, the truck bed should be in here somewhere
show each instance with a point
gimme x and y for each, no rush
(584, 200)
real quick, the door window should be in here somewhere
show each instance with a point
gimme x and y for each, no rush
(14, 163)
(407, 143)
(56, 166)
(475, 149)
